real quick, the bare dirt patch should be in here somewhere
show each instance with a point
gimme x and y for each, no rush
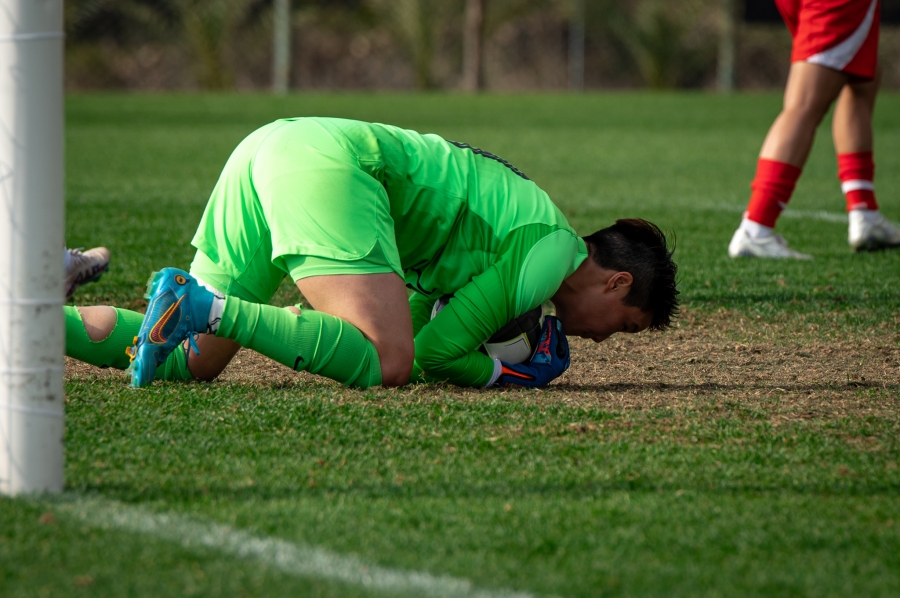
(785, 369)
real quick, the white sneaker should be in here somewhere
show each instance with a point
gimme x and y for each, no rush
(869, 231)
(773, 246)
(85, 266)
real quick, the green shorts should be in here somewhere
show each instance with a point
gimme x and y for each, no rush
(292, 201)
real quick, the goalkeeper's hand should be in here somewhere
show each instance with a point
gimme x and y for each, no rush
(549, 361)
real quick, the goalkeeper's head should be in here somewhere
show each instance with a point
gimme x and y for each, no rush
(626, 285)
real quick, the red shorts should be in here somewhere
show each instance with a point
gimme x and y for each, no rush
(839, 34)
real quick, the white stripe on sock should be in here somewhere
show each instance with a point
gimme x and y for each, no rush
(856, 185)
(218, 306)
(215, 315)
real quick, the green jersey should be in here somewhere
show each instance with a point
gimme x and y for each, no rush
(323, 196)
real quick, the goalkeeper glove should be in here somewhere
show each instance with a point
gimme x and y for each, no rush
(549, 361)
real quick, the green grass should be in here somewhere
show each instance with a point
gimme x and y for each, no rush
(512, 490)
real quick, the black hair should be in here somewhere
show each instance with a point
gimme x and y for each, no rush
(638, 247)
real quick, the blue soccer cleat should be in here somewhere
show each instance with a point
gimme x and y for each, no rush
(178, 311)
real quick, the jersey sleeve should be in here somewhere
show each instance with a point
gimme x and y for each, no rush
(530, 266)
(420, 307)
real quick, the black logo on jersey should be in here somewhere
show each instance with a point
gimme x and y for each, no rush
(489, 156)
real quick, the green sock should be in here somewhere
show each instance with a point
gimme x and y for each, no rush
(313, 341)
(110, 352)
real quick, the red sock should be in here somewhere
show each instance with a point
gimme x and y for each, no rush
(857, 171)
(772, 188)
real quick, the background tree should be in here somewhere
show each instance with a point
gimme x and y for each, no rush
(415, 24)
(671, 43)
(207, 27)
(473, 46)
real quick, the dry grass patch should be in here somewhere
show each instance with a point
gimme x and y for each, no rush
(786, 369)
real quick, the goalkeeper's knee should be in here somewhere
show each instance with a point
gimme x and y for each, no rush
(396, 363)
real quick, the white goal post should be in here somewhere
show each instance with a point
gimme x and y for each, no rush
(31, 246)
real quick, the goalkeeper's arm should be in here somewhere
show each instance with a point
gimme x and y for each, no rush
(530, 267)
(446, 347)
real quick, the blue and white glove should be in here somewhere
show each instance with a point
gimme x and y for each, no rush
(549, 361)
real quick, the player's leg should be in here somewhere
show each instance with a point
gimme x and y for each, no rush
(247, 276)
(378, 306)
(852, 131)
(851, 124)
(810, 91)
(360, 332)
(215, 353)
(310, 340)
(102, 336)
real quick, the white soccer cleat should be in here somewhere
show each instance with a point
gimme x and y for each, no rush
(870, 231)
(772, 246)
(85, 266)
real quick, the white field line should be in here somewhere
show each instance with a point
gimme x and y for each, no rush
(788, 213)
(291, 558)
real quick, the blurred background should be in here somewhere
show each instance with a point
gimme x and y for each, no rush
(472, 45)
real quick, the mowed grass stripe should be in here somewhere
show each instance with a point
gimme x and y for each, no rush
(294, 559)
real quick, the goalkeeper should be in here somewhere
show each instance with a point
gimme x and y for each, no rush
(357, 213)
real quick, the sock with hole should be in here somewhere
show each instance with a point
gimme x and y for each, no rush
(110, 352)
